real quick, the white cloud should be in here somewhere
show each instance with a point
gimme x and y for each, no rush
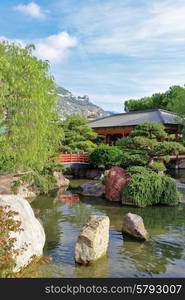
(32, 10)
(138, 30)
(54, 47)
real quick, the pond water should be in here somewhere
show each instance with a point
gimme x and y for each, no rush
(162, 256)
(178, 174)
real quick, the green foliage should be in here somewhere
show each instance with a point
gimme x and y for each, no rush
(44, 179)
(82, 146)
(148, 188)
(156, 101)
(145, 147)
(170, 194)
(15, 186)
(7, 251)
(176, 96)
(79, 137)
(106, 156)
(134, 158)
(30, 133)
(172, 100)
(151, 130)
(158, 166)
(137, 170)
(169, 148)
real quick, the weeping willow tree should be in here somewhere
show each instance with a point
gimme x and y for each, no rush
(29, 131)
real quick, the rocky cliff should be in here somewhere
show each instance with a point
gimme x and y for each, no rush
(81, 105)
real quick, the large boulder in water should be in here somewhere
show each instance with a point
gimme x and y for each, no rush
(93, 240)
(115, 181)
(32, 237)
(94, 189)
(133, 225)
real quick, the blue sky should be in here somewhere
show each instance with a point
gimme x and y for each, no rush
(111, 50)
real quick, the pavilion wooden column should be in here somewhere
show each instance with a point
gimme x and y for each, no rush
(176, 136)
(108, 139)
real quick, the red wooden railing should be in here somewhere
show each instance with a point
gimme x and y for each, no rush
(73, 158)
(84, 157)
(177, 157)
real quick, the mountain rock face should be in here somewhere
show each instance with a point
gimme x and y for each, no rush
(79, 105)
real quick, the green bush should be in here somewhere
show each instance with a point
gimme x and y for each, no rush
(137, 170)
(44, 180)
(79, 137)
(158, 166)
(147, 188)
(106, 156)
(134, 159)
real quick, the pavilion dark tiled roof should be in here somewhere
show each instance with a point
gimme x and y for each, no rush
(135, 118)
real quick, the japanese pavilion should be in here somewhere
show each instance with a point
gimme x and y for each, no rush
(116, 126)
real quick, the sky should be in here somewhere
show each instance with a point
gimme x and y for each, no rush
(110, 50)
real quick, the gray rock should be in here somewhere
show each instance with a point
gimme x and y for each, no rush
(133, 225)
(69, 105)
(23, 189)
(28, 192)
(95, 189)
(92, 243)
(32, 235)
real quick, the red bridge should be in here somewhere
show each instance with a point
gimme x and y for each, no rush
(83, 158)
(73, 158)
(177, 157)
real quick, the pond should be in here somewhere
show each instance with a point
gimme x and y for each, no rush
(162, 256)
(178, 174)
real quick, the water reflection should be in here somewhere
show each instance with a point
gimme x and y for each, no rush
(152, 257)
(67, 197)
(97, 269)
(163, 255)
(178, 174)
(50, 216)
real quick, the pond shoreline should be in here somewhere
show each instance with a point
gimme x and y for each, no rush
(126, 257)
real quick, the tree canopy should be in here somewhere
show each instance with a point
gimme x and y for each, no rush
(172, 100)
(149, 145)
(78, 136)
(29, 131)
(145, 151)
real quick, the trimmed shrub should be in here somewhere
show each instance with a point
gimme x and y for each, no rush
(137, 170)
(147, 188)
(106, 156)
(134, 158)
(158, 166)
